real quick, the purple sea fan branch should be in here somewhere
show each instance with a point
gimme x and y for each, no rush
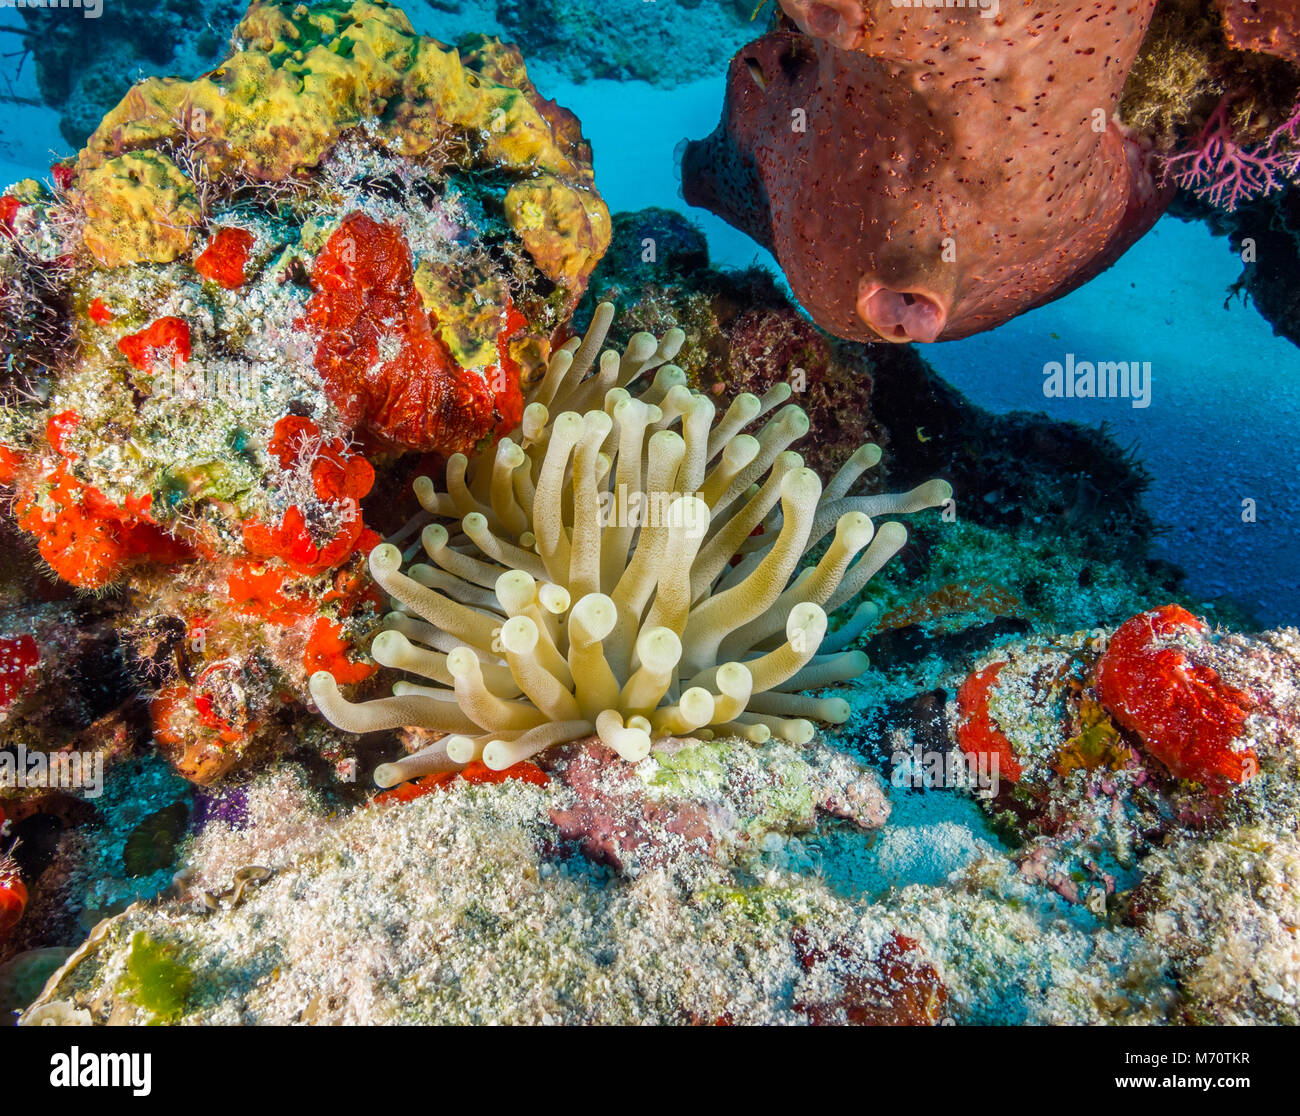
(1220, 171)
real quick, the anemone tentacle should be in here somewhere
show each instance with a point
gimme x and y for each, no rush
(630, 563)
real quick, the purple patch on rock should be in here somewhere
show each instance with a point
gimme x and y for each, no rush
(228, 805)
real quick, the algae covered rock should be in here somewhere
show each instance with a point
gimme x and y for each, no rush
(725, 798)
(306, 74)
(460, 906)
(247, 298)
(1225, 913)
(139, 208)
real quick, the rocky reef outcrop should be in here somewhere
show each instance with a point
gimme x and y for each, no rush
(232, 315)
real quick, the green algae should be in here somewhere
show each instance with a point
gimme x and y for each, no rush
(759, 904)
(775, 784)
(155, 979)
(692, 771)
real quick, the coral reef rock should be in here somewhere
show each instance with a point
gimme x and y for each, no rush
(665, 43)
(491, 923)
(238, 307)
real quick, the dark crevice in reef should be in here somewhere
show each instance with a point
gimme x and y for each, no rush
(1020, 469)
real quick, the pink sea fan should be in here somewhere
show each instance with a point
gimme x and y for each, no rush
(1217, 169)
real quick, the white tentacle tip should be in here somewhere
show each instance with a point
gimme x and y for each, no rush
(837, 710)
(385, 559)
(462, 663)
(388, 775)
(389, 647)
(322, 685)
(460, 749)
(633, 745)
(496, 755)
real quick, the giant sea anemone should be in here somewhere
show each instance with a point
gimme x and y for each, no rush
(629, 563)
